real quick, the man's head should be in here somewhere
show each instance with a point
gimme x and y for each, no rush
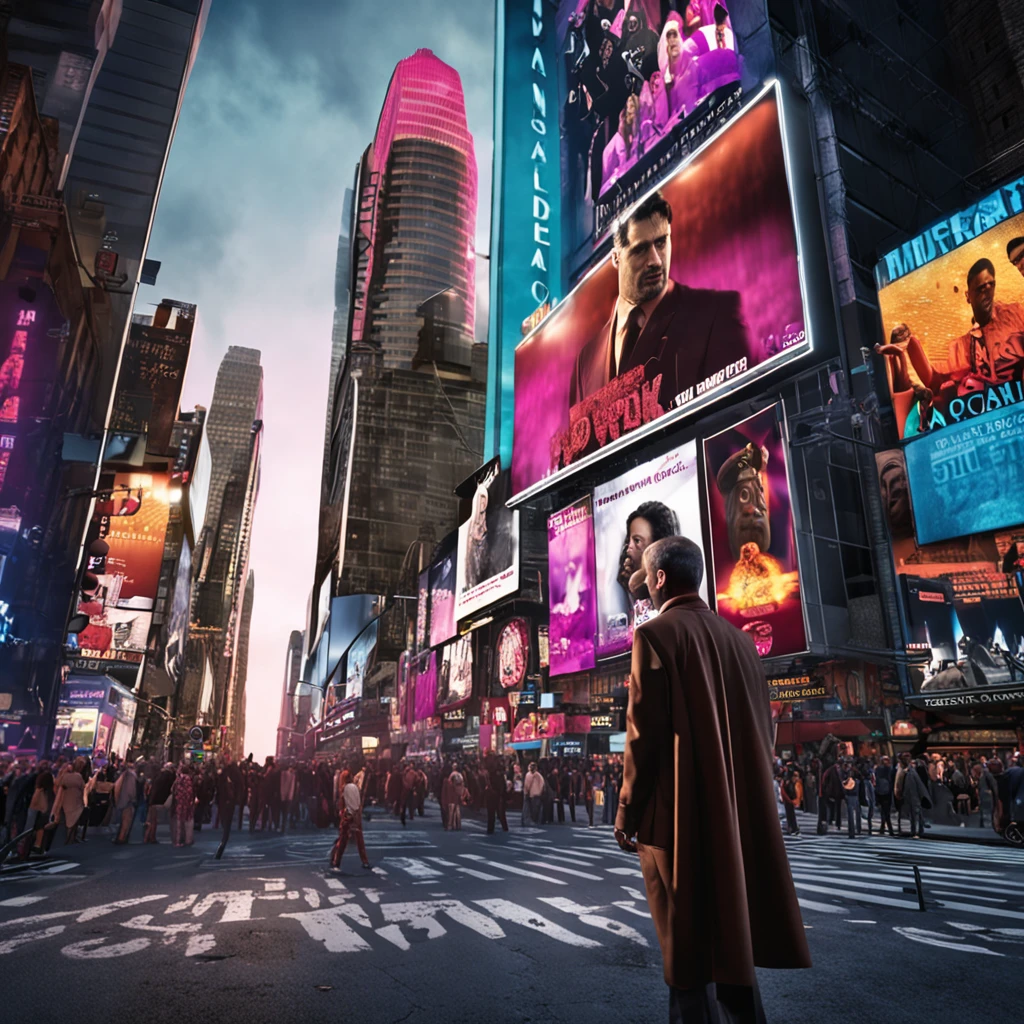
(981, 290)
(650, 522)
(675, 566)
(896, 494)
(1015, 253)
(642, 252)
(741, 482)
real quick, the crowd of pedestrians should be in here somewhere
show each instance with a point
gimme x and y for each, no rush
(852, 793)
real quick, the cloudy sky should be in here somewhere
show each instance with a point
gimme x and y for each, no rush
(282, 101)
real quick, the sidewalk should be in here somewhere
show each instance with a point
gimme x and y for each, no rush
(971, 833)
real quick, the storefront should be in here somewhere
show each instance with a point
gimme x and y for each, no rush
(96, 715)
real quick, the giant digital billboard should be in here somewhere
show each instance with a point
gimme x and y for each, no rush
(753, 567)
(658, 499)
(120, 609)
(455, 674)
(642, 84)
(701, 293)
(441, 620)
(572, 588)
(952, 306)
(487, 567)
(422, 609)
(357, 664)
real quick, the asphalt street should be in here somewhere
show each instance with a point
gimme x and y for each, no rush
(544, 926)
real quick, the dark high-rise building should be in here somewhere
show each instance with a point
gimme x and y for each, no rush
(410, 427)
(342, 311)
(289, 695)
(235, 719)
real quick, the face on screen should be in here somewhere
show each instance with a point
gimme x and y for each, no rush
(644, 260)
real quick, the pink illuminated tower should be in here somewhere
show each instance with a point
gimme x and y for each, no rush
(419, 233)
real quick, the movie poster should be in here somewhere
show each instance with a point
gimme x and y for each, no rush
(572, 588)
(441, 621)
(120, 609)
(426, 688)
(422, 609)
(358, 663)
(660, 498)
(753, 544)
(455, 674)
(487, 567)
(702, 293)
(952, 306)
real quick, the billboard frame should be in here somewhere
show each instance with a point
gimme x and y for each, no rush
(810, 251)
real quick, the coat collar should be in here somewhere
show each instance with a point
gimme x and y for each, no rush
(689, 601)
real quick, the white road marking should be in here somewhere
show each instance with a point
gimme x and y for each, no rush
(943, 941)
(850, 920)
(312, 897)
(414, 866)
(182, 904)
(585, 860)
(237, 905)
(588, 917)
(627, 905)
(863, 897)
(444, 863)
(9, 945)
(423, 915)
(625, 871)
(199, 944)
(21, 901)
(95, 949)
(635, 893)
(822, 908)
(564, 871)
(512, 870)
(505, 910)
(327, 926)
(482, 875)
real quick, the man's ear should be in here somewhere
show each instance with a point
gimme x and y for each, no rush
(615, 258)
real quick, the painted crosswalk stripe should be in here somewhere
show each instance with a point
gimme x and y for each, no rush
(444, 863)
(821, 908)
(505, 910)
(482, 875)
(413, 866)
(21, 901)
(560, 869)
(587, 861)
(860, 897)
(511, 870)
(625, 871)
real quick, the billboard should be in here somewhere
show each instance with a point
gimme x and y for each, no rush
(701, 294)
(977, 578)
(422, 609)
(349, 617)
(969, 478)
(952, 307)
(572, 588)
(425, 693)
(360, 655)
(526, 264)
(642, 86)
(152, 373)
(455, 674)
(199, 485)
(177, 619)
(121, 609)
(487, 567)
(660, 498)
(753, 567)
(442, 598)
(513, 653)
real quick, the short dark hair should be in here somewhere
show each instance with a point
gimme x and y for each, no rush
(655, 205)
(680, 560)
(982, 264)
(664, 522)
(1012, 244)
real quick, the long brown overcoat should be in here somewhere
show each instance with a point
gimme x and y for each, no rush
(698, 793)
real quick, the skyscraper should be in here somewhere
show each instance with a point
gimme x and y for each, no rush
(342, 309)
(292, 675)
(412, 389)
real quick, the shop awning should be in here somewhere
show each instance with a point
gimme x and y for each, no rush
(815, 732)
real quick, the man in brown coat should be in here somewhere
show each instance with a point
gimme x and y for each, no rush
(697, 799)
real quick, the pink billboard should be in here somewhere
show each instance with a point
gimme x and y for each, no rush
(572, 592)
(700, 293)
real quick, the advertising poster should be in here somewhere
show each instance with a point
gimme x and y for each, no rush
(753, 567)
(572, 589)
(422, 609)
(121, 609)
(513, 653)
(660, 498)
(487, 567)
(358, 663)
(952, 306)
(538, 726)
(425, 699)
(696, 297)
(455, 674)
(641, 81)
(441, 620)
(177, 619)
(969, 478)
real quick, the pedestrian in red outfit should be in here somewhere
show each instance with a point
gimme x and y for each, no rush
(351, 825)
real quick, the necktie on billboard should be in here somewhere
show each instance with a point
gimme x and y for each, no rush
(634, 327)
